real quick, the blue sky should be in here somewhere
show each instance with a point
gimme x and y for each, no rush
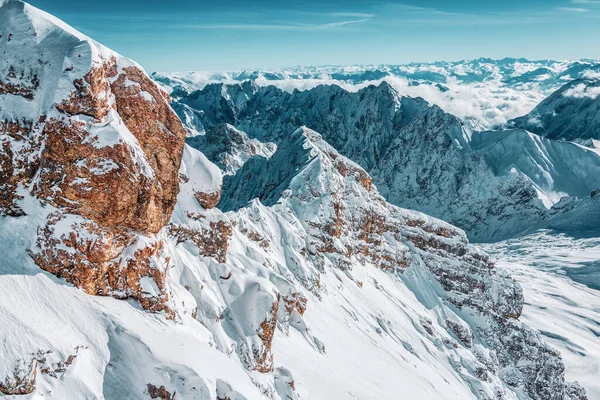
(184, 35)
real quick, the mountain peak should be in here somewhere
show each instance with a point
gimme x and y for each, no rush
(95, 144)
(570, 113)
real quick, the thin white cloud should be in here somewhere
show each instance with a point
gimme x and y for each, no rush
(342, 23)
(409, 14)
(351, 15)
(420, 10)
(573, 9)
(295, 21)
(282, 27)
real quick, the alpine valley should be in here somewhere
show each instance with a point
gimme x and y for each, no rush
(301, 233)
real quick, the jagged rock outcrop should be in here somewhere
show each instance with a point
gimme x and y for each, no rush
(229, 148)
(159, 392)
(419, 156)
(22, 380)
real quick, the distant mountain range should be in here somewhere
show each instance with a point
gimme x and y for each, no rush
(484, 93)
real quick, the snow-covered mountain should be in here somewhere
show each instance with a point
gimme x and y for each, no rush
(228, 147)
(122, 280)
(345, 220)
(491, 184)
(571, 113)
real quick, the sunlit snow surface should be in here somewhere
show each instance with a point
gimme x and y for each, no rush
(560, 276)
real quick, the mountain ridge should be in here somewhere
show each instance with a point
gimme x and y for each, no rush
(443, 171)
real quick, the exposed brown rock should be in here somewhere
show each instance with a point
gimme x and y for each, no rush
(183, 178)
(8, 187)
(91, 94)
(22, 381)
(208, 200)
(157, 128)
(103, 184)
(54, 369)
(344, 169)
(107, 184)
(264, 357)
(90, 257)
(159, 393)
(211, 242)
(365, 180)
(295, 301)
(463, 333)
(18, 161)
(446, 232)
(257, 237)
(121, 192)
(358, 231)
(23, 86)
(335, 228)
(428, 242)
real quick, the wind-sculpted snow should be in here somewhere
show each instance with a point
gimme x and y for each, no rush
(571, 113)
(419, 156)
(484, 93)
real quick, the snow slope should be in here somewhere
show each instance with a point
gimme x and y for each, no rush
(371, 303)
(556, 169)
(560, 278)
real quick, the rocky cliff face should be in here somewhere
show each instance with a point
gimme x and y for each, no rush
(240, 297)
(229, 148)
(90, 136)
